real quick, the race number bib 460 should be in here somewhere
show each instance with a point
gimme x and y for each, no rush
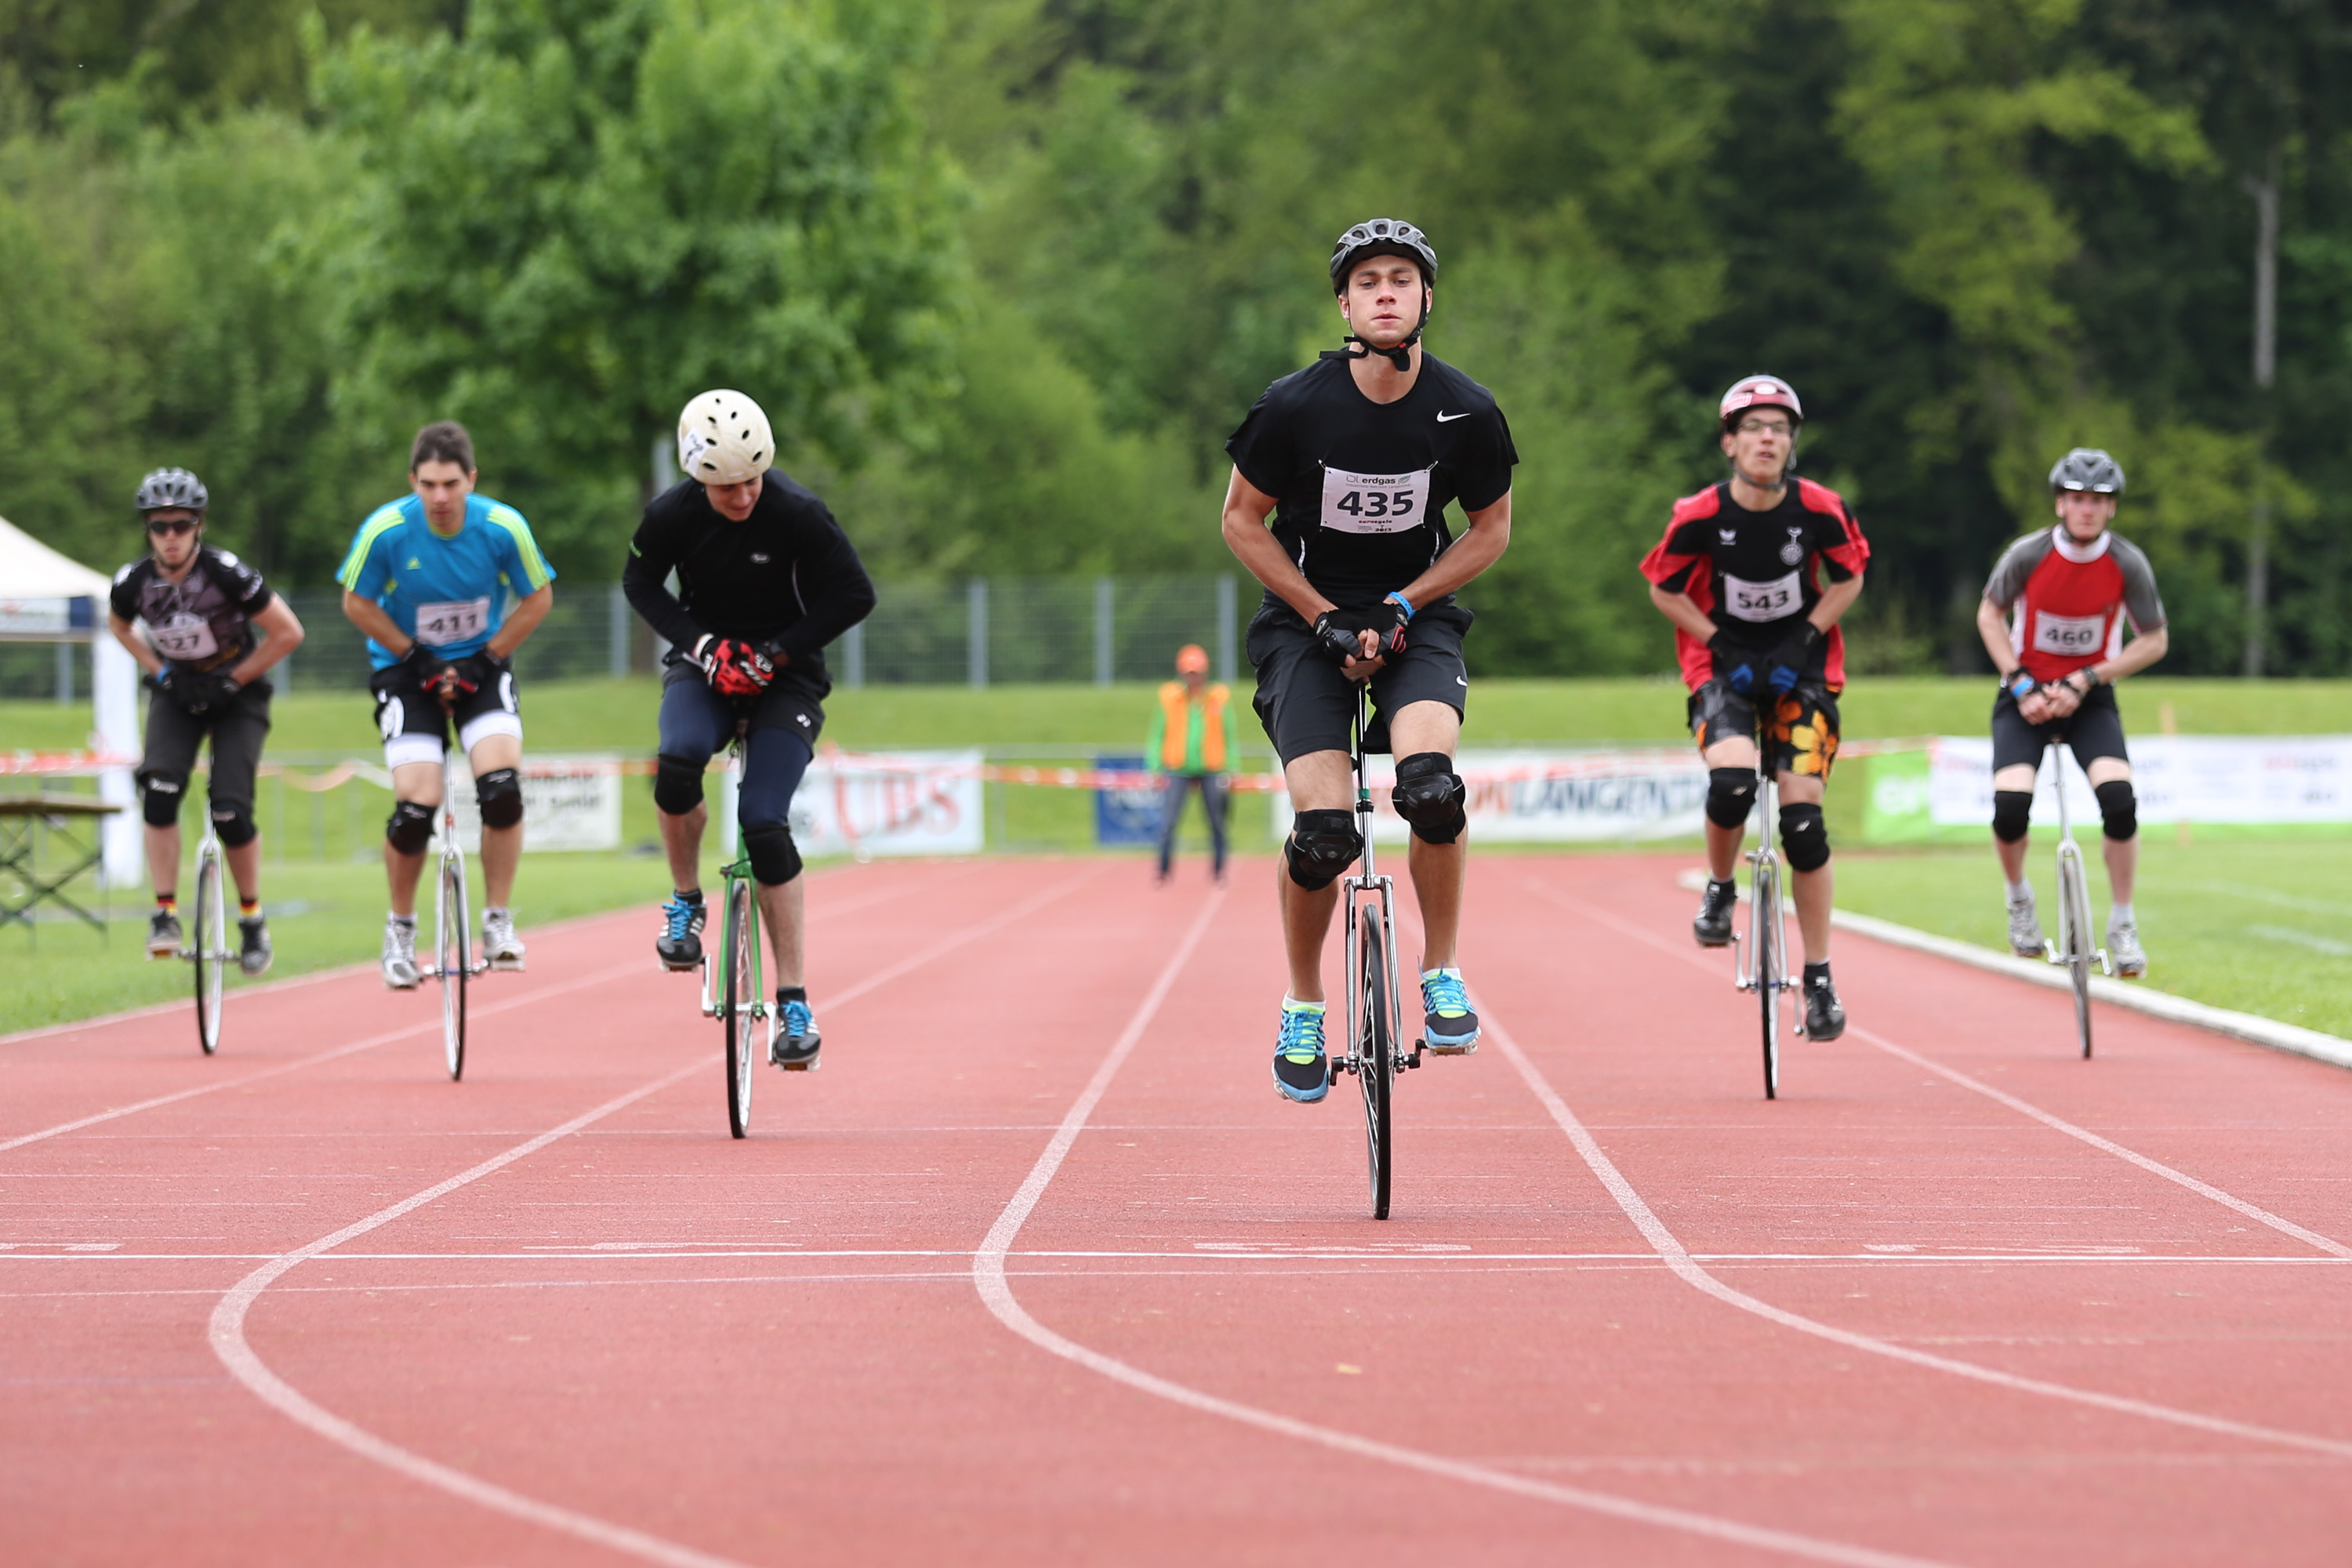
(1374, 503)
(183, 636)
(2073, 635)
(437, 626)
(1776, 600)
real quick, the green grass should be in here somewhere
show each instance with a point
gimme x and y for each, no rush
(2210, 912)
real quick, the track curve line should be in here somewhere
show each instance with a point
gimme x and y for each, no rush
(988, 1278)
(1672, 1252)
(2056, 1124)
(225, 1330)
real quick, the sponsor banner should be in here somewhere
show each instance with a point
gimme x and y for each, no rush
(897, 803)
(1130, 812)
(2253, 781)
(568, 803)
(1556, 797)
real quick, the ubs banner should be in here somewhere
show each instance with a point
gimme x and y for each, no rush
(1558, 798)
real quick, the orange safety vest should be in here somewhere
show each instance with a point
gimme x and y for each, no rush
(1175, 706)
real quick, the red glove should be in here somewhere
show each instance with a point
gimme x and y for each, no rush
(734, 668)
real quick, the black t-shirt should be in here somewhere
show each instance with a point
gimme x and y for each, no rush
(1754, 572)
(1360, 487)
(785, 578)
(204, 621)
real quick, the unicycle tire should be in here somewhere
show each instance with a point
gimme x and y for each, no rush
(1374, 1048)
(209, 947)
(453, 963)
(2075, 919)
(1771, 959)
(741, 931)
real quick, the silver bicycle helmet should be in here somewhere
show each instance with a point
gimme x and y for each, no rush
(2087, 469)
(1383, 236)
(171, 487)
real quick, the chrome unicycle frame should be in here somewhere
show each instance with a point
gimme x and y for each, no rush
(1374, 1054)
(2074, 948)
(208, 947)
(454, 963)
(1760, 962)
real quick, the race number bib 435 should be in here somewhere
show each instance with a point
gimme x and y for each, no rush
(183, 636)
(1374, 503)
(437, 626)
(1772, 601)
(2072, 635)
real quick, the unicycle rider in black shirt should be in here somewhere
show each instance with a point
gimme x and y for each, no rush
(1357, 458)
(765, 579)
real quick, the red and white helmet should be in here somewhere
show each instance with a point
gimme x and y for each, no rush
(1759, 392)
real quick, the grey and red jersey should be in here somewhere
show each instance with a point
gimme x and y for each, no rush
(204, 621)
(2066, 602)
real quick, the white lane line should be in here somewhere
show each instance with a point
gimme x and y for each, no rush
(2154, 1167)
(988, 1276)
(227, 1329)
(1686, 1268)
(1303, 1254)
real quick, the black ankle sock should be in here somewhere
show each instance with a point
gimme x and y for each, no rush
(685, 898)
(791, 993)
(1816, 973)
(1722, 882)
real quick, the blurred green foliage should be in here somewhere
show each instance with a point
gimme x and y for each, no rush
(1007, 271)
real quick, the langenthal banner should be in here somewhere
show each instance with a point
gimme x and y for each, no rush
(568, 803)
(1558, 797)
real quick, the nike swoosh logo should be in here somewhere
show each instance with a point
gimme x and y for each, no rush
(1448, 419)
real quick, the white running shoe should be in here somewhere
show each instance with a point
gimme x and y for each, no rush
(499, 943)
(2124, 951)
(2025, 928)
(400, 954)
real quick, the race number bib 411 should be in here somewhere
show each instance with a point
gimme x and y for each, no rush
(1374, 503)
(438, 625)
(2070, 636)
(1759, 602)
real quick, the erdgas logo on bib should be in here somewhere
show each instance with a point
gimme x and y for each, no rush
(1374, 503)
(1762, 601)
(2068, 634)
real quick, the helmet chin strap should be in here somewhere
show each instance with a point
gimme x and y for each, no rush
(1401, 356)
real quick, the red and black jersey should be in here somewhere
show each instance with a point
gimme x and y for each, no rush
(2066, 602)
(1757, 573)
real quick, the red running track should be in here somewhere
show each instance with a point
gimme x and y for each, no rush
(1038, 1268)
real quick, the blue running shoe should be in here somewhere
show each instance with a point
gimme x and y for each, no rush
(1301, 1071)
(680, 942)
(1449, 1025)
(794, 1045)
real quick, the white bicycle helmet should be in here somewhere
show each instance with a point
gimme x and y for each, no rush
(1758, 392)
(723, 439)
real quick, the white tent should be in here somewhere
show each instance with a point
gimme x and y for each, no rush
(48, 597)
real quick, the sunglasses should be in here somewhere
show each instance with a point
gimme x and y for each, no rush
(175, 528)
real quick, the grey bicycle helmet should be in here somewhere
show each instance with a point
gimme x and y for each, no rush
(1383, 236)
(2087, 469)
(171, 487)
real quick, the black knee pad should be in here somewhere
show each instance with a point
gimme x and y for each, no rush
(2119, 809)
(1804, 838)
(677, 786)
(1428, 796)
(234, 822)
(2012, 814)
(1321, 846)
(410, 827)
(775, 858)
(499, 792)
(1730, 795)
(159, 798)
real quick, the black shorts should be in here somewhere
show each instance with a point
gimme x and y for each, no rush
(1804, 738)
(238, 731)
(1307, 705)
(2092, 731)
(415, 726)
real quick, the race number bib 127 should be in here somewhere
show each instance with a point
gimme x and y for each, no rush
(1773, 601)
(2072, 635)
(438, 625)
(183, 636)
(1374, 503)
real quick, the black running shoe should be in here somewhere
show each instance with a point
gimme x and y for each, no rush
(1824, 1019)
(1713, 926)
(163, 938)
(680, 942)
(796, 1042)
(253, 944)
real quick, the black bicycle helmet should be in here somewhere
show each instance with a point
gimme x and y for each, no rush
(171, 487)
(1384, 236)
(2087, 469)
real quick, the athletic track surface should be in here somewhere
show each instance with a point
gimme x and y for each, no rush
(1038, 1270)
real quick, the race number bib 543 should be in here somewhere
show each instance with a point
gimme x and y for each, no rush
(1772, 601)
(2073, 635)
(438, 625)
(183, 636)
(1374, 503)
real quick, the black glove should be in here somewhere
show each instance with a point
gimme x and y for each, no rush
(1342, 631)
(1737, 670)
(1787, 665)
(434, 673)
(199, 692)
(479, 671)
